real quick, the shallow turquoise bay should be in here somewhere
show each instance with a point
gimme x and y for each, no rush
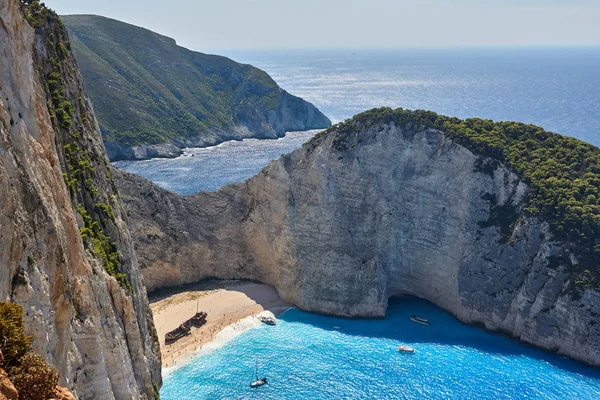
(305, 357)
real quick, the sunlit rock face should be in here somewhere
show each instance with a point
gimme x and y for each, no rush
(340, 226)
(96, 332)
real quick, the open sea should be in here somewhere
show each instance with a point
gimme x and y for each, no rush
(556, 88)
(304, 356)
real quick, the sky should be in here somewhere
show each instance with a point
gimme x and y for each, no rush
(293, 24)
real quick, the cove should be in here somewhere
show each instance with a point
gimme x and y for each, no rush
(320, 357)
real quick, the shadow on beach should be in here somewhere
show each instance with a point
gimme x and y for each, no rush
(262, 297)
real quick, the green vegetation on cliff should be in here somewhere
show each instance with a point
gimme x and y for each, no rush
(80, 173)
(148, 90)
(563, 172)
(13, 342)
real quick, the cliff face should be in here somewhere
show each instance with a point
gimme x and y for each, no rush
(403, 210)
(66, 255)
(153, 98)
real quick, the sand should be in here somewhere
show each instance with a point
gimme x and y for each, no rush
(225, 303)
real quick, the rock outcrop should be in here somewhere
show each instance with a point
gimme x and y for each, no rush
(344, 223)
(153, 97)
(66, 255)
(7, 389)
(9, 392)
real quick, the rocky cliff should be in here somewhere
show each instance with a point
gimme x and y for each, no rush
(376, 208)
(66, 255)
(153, 98)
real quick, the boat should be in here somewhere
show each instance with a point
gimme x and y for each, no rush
(197, 320)
(267, 320)
(405, 349)
(419, 320)
(176, 334)
(258, 382)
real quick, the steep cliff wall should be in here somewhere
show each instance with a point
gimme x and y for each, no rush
(391, 209)
(66, 255)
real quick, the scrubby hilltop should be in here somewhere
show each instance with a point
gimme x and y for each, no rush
(497, 223)
(66, 255)
(153, 97)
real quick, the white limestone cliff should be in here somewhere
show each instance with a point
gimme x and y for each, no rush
(99, 335)
(403, 210)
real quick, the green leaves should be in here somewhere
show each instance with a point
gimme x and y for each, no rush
(80, 176)
(13, 342)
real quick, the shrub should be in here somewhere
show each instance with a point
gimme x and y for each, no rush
(34, 379)
(13, 342)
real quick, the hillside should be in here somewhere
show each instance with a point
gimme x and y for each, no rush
(146, 90)
(496, 222)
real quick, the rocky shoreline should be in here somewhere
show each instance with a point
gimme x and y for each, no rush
(168, 150)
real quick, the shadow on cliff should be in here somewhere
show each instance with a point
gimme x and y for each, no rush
(444, 330)
(266, 296)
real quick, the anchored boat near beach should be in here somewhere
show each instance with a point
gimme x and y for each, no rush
(419, 320)
(267, 320)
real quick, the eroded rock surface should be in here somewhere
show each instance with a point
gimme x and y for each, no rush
(7, 389)
(97, 333)
(402, 210)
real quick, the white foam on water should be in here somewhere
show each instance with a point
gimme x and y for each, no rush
(224, 336)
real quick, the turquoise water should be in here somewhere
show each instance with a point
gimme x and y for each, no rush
(556, 88)
(305, 357)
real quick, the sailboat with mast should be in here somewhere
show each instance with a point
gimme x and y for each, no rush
(258, 382)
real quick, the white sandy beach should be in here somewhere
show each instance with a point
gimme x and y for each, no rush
(225, 306)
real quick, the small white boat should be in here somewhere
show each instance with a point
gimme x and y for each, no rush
(419, 320)
(405, 349)
(258, 382)
(267, 320)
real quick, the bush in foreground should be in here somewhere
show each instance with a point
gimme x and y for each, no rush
(34, 379)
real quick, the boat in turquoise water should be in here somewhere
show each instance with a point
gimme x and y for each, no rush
(405, 349)
(309, 359)
(258, 382)
(419, 320)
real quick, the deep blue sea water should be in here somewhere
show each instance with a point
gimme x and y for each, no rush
(557, 88)
(305, 357)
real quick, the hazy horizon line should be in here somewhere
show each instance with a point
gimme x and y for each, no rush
(415, 47)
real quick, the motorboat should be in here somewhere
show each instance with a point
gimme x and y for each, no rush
(267, 320)
(405, 349)
(419, 320)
